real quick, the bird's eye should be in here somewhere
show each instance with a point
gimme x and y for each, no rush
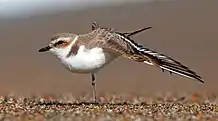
(59, 42)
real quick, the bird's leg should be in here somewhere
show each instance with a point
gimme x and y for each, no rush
(93, 87)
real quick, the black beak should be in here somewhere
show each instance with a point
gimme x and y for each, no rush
(44, 49)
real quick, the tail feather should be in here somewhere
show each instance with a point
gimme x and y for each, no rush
(129, 34)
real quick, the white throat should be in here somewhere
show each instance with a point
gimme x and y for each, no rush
(86, 60)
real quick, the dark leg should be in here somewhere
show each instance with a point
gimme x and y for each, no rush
(93, 87)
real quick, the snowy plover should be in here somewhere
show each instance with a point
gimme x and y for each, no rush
(87, 53)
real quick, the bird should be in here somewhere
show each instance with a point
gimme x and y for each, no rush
(89, 52)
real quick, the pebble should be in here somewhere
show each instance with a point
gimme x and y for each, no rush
(162, 108)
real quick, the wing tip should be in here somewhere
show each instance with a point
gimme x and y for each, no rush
(192, 76)
(200, 79)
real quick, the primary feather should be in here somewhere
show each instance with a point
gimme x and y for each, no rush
(160, 60)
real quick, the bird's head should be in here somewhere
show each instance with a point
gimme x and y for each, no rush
(60, 44)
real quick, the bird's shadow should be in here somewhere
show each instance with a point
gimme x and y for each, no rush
(86, 104)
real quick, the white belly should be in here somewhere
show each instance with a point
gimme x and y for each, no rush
(86, 61)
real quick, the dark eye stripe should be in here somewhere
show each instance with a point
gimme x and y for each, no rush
(59, 42)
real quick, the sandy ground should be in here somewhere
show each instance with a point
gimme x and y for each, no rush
(185, 30)
(167, 107)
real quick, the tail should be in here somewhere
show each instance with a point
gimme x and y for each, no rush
(95, 25)
(168, 64)
(128, 34)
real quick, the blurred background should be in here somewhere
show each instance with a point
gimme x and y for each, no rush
(183, 29)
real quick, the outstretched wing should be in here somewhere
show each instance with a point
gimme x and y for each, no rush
(122, 44)
(169, 64)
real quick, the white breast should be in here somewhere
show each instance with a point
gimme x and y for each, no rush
(86, 61)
